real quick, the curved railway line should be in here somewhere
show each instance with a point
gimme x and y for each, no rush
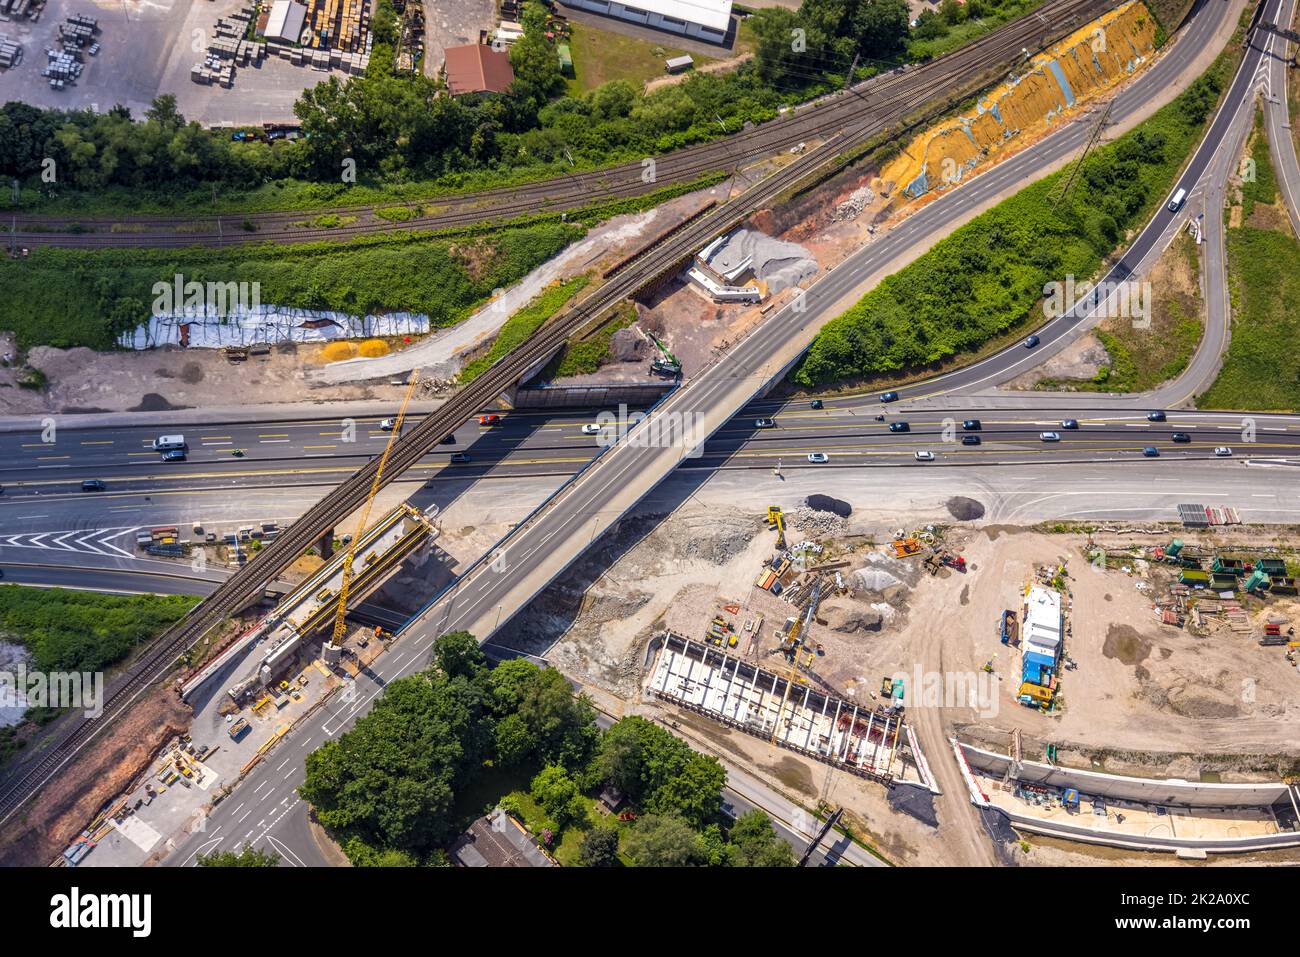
(947, 75)
(989, 54)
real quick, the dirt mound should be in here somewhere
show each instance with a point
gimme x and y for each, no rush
(875, 579)
(965, 509)
(626, 345)
(826, 503)
(853, 620)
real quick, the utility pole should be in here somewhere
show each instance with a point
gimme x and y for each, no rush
(848, 79)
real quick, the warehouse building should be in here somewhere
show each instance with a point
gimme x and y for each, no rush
(286, 21)
(701, 19)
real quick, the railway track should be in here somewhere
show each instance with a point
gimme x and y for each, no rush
(949, 75)
(580, 189)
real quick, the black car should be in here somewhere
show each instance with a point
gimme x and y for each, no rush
(970, 440)
(1151, 452)
(972, 425)
(1155, 416)
(816, 403)
(899, 427)
(460, 456)
(1181, 437)
(1069, 423)
(889, 397)
(93, 485)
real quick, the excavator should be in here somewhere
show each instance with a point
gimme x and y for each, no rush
(667, 366)
(776, 519)
(333, 650)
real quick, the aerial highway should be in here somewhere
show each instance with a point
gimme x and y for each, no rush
(899, 99)
(624, 474)
(911, 89)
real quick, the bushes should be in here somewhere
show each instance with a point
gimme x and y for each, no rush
(84, 631)
(70, 298)
(523, 324)
(985, 279)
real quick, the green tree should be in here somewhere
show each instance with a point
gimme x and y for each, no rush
(391, 780)
(540, 717)
(248, 857)
(693, 791)
(753, 843)
(559, 796)
(362, 854)
(458, 655)
(662, 841)
(599, 847)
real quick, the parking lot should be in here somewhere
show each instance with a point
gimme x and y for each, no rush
(148, 48)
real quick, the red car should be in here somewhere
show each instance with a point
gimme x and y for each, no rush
(489, 419)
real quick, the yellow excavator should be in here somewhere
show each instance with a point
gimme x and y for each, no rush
(776, 518)
(334, 648)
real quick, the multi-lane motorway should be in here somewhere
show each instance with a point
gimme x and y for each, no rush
(46, 517)
(846, 430)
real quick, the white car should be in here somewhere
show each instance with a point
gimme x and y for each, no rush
(591, 428)
(1223, 451)
(1050, 436)
(387, 425)
(818, 458)
(925, 456)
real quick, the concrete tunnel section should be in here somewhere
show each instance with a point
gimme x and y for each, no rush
(1188, 818)
(311, 607)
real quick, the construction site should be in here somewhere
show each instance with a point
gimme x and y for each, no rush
(842, 657)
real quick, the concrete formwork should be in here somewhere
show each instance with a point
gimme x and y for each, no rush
(865, 740)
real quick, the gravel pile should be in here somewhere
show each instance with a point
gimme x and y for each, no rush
(818, 524)
(858, 200)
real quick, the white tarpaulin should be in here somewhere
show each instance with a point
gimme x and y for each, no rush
(269, 324)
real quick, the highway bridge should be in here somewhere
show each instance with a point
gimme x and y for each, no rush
(896, 99)
(622, 475)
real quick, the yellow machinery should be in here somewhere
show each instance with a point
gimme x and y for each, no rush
(776, 518)
(907, 547)
(335, 645)
(790, 645)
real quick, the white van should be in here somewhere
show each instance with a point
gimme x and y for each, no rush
(165, 443)
(1176, 203)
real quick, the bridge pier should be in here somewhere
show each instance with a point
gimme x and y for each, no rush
(325, 544)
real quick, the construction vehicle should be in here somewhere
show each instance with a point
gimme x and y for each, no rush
(907, 547)
(789, 646)
(239, 729)
(669, 364)
(776, 520)
(331, 653)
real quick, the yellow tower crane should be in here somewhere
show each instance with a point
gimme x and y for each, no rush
(340, 624)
